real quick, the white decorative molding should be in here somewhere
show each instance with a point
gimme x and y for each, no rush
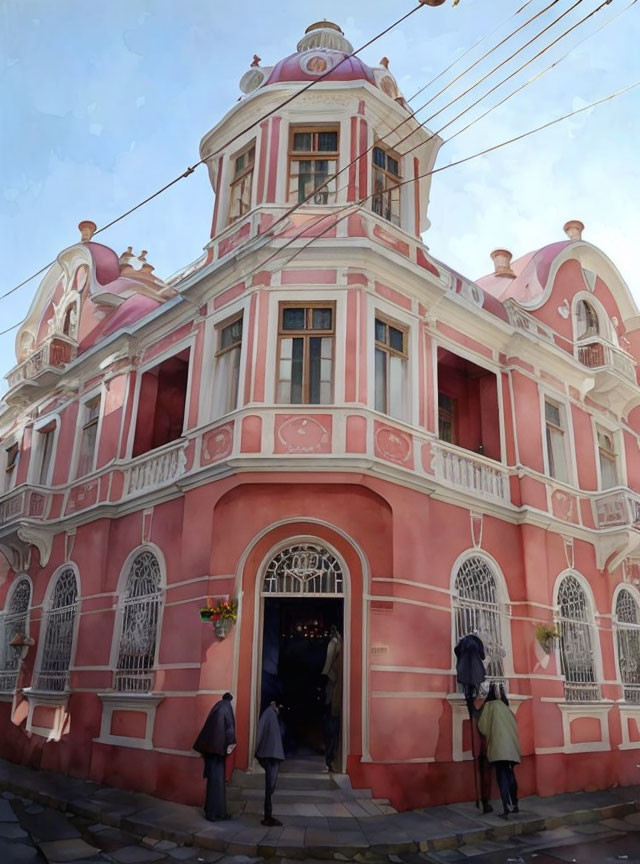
(58, 701)
(144, 703)
(460, 713)
(628, 711)
(575, 710)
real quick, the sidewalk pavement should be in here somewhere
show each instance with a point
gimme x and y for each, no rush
(445, 833)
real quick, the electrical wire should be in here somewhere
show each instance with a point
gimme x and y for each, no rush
(193, 167)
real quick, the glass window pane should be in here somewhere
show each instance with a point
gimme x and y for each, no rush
(321, 319)
(302, 141)
(293, 318)
(379, 157)
(286, 348)
(397, 387)
(381, 331)
(314, 369)
(381, 380)
(557, 455)
(46, 445)
(392, 166)
(396, 338)
(296, 371)
(231, 334)
(608, 471)
(552, 413)
(328, 141)
(87, 449)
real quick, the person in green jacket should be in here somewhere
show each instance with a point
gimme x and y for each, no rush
(499, 727)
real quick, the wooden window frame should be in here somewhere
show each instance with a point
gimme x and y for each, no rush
(558, 428)
(312, 155)
(392, 180)
(390, 351)
(453, 418)
(45, 430)
(88, 421)
(306, 334)
(220, 352)
(238, 179)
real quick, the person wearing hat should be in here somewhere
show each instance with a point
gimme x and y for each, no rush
(216, 740)
(269, 753)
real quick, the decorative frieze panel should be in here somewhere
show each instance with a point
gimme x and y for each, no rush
(616, 509)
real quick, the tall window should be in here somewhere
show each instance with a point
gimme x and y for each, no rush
(386, 188)
(14, 621)
(313, 158)
(627, 625)
(44, 440)
(391, 368)
(162, 401)
(58, 627)
(447, 409)
(305, 366)
(576, 642)
(139, 632)
(556, 441)
(10, 465)
(240, 197)
(226, 374)
(89, 436)
(608, 458)
(587, 320)
(476, 609)
(69, 321)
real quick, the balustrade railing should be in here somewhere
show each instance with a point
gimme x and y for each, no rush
(470, 472)
(54, 354)
(598, 354)
(155, 469)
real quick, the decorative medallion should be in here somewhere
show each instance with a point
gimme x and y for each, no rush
(393, 445)
(317, 63)
(217, 444)
(299, 434)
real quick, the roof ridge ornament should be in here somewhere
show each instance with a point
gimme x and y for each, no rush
(327, 35)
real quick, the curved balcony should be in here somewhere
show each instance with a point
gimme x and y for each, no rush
(42, 367)
(613, 369)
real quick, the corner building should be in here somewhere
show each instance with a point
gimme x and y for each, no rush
(322, 421)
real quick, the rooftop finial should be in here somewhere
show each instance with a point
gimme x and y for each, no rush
(502, 263)
(256, 60)
(327, 35)
(87, 230)
(573, 229)
(385, 62)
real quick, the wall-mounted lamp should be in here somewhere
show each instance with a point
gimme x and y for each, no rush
(21, 644)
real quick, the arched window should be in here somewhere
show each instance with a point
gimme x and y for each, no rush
(586, 320)
(140, 617)
(577, 654)
(627, 625)
(306, 568)
(14, 621)
(58, 627)
(476, 607)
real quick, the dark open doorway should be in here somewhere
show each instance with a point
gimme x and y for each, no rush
(296, 638)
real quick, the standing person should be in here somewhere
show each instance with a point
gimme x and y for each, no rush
(216, 740)
(269, 754)
(332, 670)
(499, 727)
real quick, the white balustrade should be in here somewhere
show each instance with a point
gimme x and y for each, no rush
(54, 354)
(598, 354)
(154, 470)
(470, 472)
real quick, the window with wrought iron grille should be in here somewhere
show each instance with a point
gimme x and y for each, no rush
(391, 368)
(477, 608)
(386, 184)
(577, 633)
(14, 620)
(139, 622)
(305, 353)
(305, 568)
(58, 626)
(313, 159)
(226, 374)
(627, 628)
(242, 182)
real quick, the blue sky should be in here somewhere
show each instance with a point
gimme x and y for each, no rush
(101, 104)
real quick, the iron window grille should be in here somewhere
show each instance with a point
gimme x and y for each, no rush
(476, 607)
(306, 568)
(14, 621)
(59, 625)
(627, 628)
(577, 656)
(140, 616)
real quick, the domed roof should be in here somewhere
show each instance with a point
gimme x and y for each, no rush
(323, 51)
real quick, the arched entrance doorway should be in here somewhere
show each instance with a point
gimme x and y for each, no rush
(303, 650)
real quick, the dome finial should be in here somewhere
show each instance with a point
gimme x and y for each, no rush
(256, 60)
(325, 34)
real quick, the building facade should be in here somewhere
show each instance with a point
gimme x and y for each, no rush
(322, 422)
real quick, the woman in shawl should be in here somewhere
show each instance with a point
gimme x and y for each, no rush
(499, 727)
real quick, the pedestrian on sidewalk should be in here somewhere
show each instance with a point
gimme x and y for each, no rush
(499, 727)
(270, 754)
(216, 740)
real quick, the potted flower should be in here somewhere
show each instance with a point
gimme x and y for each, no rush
(548, 637)
(222, 614)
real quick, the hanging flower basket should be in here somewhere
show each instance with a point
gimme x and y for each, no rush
(222, 615)
(548, 637)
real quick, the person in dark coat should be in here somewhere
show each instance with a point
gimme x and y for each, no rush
(269, 753)
(470, 669)
(499, 727)
(215, 741)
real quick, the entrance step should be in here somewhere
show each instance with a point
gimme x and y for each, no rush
(304, 794)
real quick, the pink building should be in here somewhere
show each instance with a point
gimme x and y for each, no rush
(323, 422)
